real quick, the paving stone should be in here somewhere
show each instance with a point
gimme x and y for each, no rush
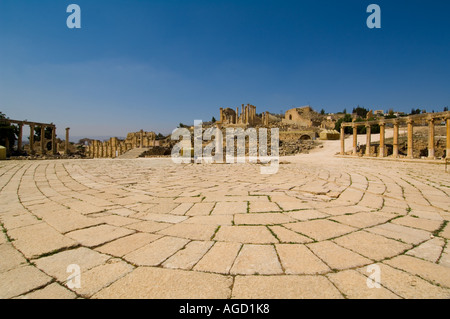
(157, 283)
(14, 220)
(320, 229)
(210, 220)
(307, 214)
(148, 226)
(39, 239)
(420, 223)
(52, 291)
(98, 235)
(163, 218)
(257, 259)
(298, 259)
(262, 219)
(156, 252)
(10, 258)
(68, 220)
(189, 256)
(245, 234)
(3, 239)
(56, 265)
(337, 257)
(115, 220)
(398, 232)
(373, 246)
(365, 219)
(430, 250)
(284, 287)
(445, 233)
(292, 204)
(21, 280)
(200, 209)
(102, 276)
(408, 286)
(354, 286)
(287, 236)
(219, 258)
(122, 246)
(435, 273)
(190, 231)
(230, 208)
(262, 207)
(183, 208)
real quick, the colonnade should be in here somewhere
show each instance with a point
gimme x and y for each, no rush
(410, 121)
(42, 126)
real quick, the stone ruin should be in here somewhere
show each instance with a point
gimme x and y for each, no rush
(116, 147)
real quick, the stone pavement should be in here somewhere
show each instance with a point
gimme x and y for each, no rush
(148, 228)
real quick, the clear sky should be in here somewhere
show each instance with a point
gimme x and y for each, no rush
(153, 64)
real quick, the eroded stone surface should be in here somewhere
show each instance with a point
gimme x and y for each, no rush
(309, 231)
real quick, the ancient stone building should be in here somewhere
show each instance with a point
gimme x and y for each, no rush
(115, 147)
(247, 116)
(303, 117)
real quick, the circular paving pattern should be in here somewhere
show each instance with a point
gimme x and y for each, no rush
(149, 228)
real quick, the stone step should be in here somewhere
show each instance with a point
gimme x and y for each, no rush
(134, 153)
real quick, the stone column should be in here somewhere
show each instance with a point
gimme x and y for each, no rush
(42, 140)
(267, 118)
(395, 142)
(368, 140)
(237, 116)
(342, 140)
(19, 142)
(355, 138)
(447, 152)
(141, 142)
(246, 114)
(111, 148)
(92, 154)
(32, 139)
(382, 139)
(253, 115)
(431, 139)
(410, 139)
(66, 146)
(54, 150)
(263, 119)
(221, 115)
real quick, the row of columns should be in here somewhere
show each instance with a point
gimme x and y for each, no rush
(246, 116)
(42, 141)
(265, 118)
(115, 148)
(410, 144)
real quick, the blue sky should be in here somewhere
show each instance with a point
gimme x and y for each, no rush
(153, 64)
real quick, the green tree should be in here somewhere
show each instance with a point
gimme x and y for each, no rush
(360, 111)
(213, 119)
(322, 112)
(8, 133)
(347, 118)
